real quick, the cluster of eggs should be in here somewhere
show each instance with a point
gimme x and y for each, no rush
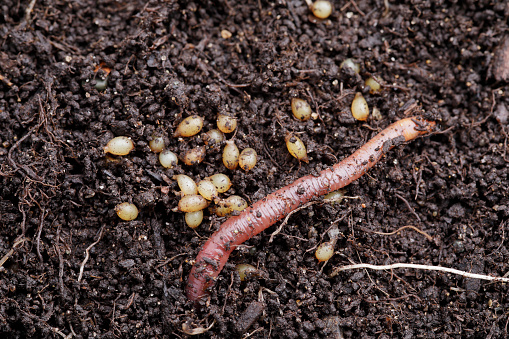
(194, 197)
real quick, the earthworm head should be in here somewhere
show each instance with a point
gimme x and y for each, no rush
(424, 126)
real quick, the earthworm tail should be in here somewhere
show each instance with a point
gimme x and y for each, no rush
(267, 211)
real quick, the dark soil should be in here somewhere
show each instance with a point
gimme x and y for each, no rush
(165, 60)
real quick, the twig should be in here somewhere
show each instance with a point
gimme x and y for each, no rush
(18, 242)
(394, 86)
(419, 267)
(23, 221)
(42, 320)
(335, 222)
(130, 301)
(418, 184)
(39, 231)
(270, 157)
(170, 260)
(479, 123)
(250, 334)
(60, 264)
(228, 292)
(429, 237)
(87, 254)
(445, 130)
(409, 207)
(357, 8)
(387, 8)
(348, 4)
(338, 200)
(72, 331)
(7, 81)
(317, 110)
(58, 331)
(235, 85)
(343, 95)
(369, 275)
(28, 11)
(394, 299)
(25, 168)
(288, 217)
(503, 237)
(112, 321)
(292, 236)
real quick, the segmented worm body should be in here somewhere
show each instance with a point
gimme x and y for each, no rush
(267, 211)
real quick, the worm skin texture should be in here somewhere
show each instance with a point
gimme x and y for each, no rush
(267, 211)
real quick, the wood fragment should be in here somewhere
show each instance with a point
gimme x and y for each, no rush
(500, 66)
(249, 317)
(17, 243)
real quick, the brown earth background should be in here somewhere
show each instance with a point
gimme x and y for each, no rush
(165, 60)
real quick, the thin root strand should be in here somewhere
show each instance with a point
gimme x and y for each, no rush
(419, 267)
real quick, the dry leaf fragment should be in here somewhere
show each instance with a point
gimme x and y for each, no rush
(197, 330)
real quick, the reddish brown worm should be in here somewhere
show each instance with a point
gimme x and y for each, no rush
(267, 211)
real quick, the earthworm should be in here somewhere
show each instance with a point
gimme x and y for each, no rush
(267, 211)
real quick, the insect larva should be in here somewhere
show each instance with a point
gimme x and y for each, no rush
(186, 184)
(231, 155)
(301, 109)
(247, 159)
(221, 181)
(168, 159)
(321, 9)
(360, 108)
(194, 156)
(156, 144)
(325, 251)
(192, 203)
(126, 211)
(226, 123)
(296, 147)
(189, 126)
(119, 146)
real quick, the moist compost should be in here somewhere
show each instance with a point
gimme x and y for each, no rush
(73, 75)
